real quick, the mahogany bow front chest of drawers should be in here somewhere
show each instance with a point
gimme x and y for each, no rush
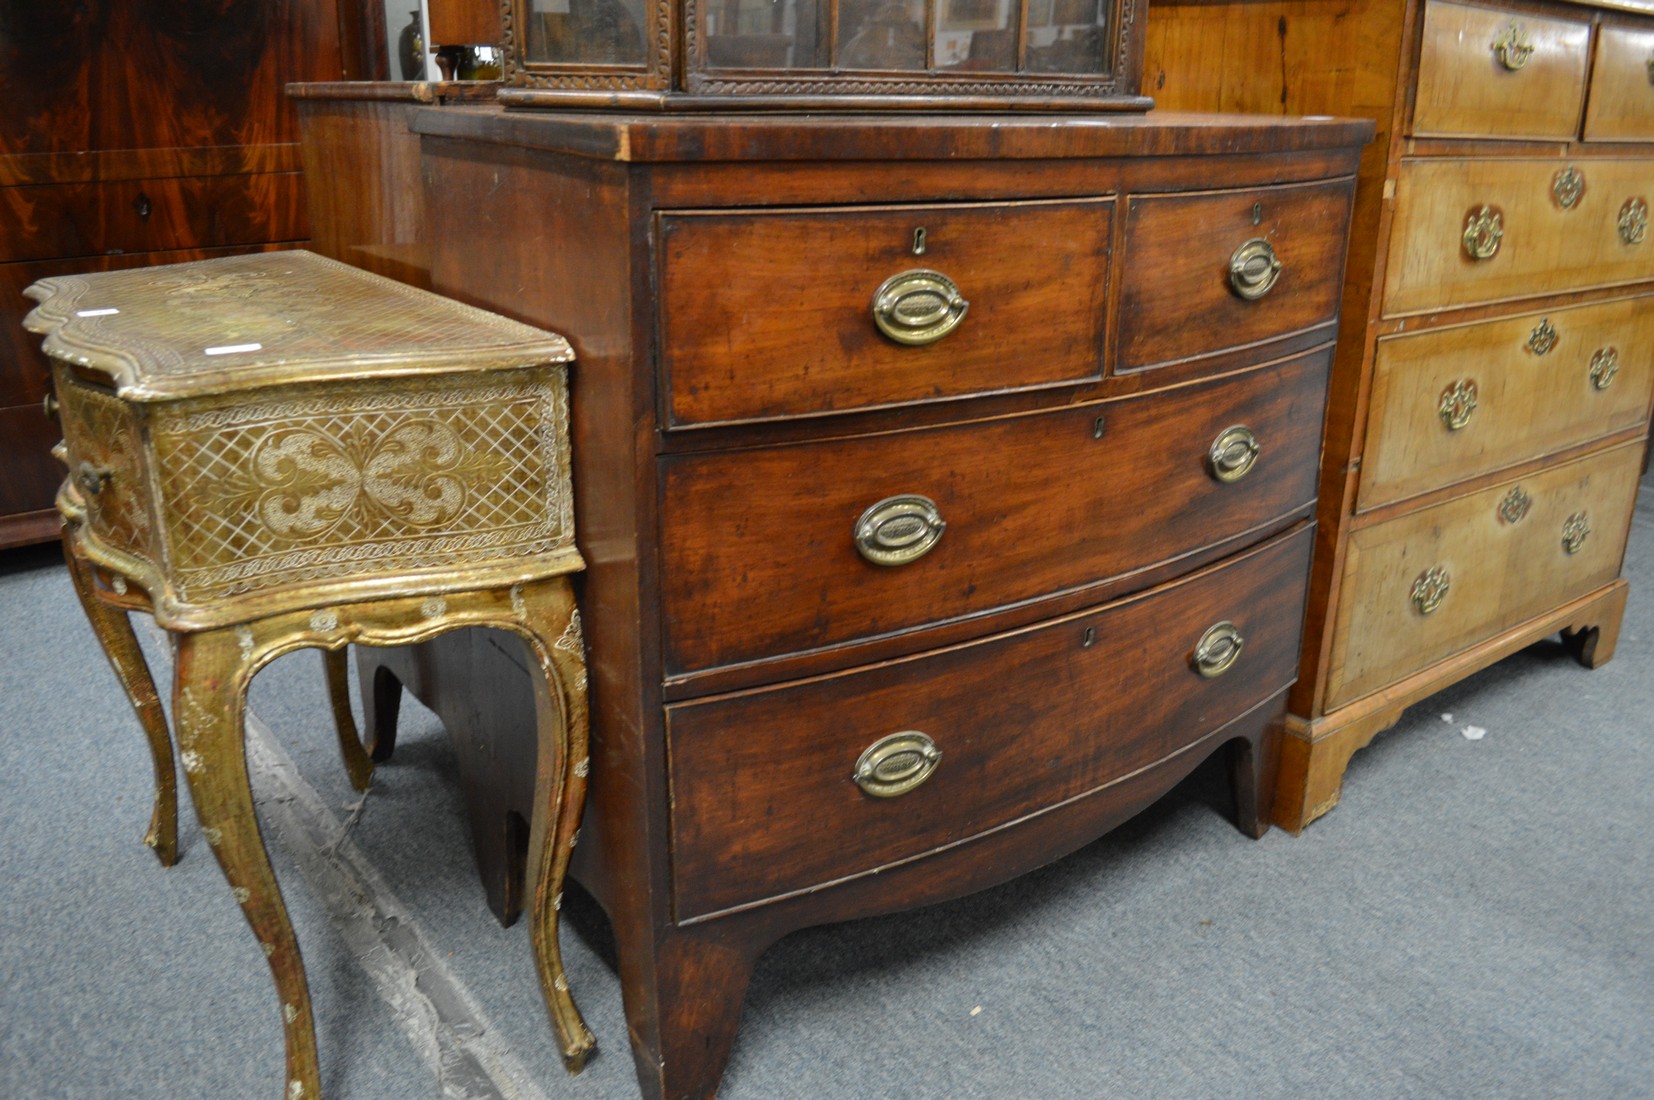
(1489, 420)
(945, 485)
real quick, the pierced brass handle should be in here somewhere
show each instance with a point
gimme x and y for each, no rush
(1568, 187)
(1574, 531)
(1218, 649)
(1512, 47)
(1515, 506)
(1430, 589)
(1233, 453)
(918, 307)
(92, 479)
(1253, 269)
(1457, 403)
(1604, 365)
(896, 764)
(1633, 222)
(1483, 230)
(1543, 338)
(899, 529)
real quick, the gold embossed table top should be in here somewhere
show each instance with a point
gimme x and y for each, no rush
(244, 322)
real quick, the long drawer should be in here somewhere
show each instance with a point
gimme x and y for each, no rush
(91, 219)
(1451, 404)
(1471, 231)
(1431, 583)
(791, 312)
(765, 799)
(1227, 269)
(773, 550)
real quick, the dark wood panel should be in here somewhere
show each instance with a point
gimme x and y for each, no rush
(1024, 721)
(770, 314)
(759, 558)
(93, 219)
(30, 475)
(1183, 303)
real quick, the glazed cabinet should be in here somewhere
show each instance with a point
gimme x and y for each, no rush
(137, 134)
(1489, 420)
(946, 485)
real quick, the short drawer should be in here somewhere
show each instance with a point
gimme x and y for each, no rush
(1622, 85)
(792, 312)
(109, 467)
(92, 219)
(1487, 72)
(1456, 403)
(765, 802)
(1426, 585)
(1227, 269)
(760, 554)
(1476, 231)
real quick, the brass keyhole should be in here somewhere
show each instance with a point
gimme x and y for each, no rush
(919, 241)
(1097, 427)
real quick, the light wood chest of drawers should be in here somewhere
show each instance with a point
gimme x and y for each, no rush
(876, 621)
(1489, 422)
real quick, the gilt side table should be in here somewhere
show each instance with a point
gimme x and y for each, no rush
(275, 451)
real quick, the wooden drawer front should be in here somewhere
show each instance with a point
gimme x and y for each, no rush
(108, 466)
(1466, 90)
(1594, 378)
(1543, 247)
(1499, 573)
(44, 222)
(772, 314)
(758, 547)
(764, 803)
(1622, 86)
(1178, 301)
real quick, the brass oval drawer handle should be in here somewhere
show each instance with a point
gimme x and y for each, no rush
(918, 307)
(92, 479)
(1633, 221)
(1218, 649)
(1483, 230)
(1512, 47)
(1515, 506)
(1604, 365)
(1430, 589)
(1543, 338)
(896, 764)
(1253, 269)
(1458, 402)
(1568, 187)
(1574, 531)
(899, 529)
(1233, 453)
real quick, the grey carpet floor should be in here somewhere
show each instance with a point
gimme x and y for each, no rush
(1474, 920)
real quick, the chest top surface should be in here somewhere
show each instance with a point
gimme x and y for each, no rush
(249, 322)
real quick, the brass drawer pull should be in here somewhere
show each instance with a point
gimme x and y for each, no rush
(1233, 453)
(1253, 269)
(896, 764)
(1568, 187)
(1633, 223)
(1483, 230)
(1543, 338)
(1457, 403)
(1218, 649)
(1574, 531)
(1512, 47)
(1430, 589)
(48, 405)
(1515, 506)
(899, 529)
(92, 479)
(918, 307)
(1604, 365)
